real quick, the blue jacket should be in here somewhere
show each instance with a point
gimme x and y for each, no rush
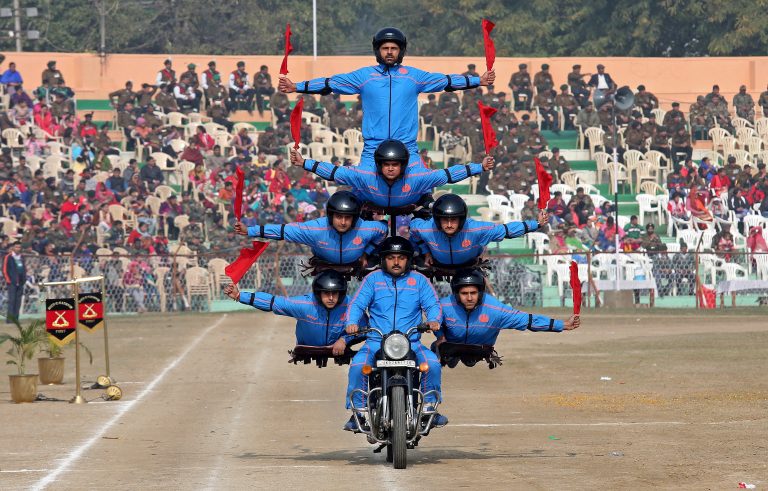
(371, 187)
(315, 326)
(483, 323)
(9, 77)
(394, 303)
(468, 243)
(390, 100)
(326, 243)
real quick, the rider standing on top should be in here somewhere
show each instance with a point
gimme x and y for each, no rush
(389, 92)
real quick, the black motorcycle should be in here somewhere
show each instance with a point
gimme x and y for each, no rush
(394, 415)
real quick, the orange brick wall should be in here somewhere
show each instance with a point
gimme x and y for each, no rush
(670, 79)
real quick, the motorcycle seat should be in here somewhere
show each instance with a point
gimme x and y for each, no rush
(320, 355)
(450, 354)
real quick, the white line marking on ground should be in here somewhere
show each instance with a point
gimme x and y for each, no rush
(616, 423)
(79, 451)
(608, 423)
(18, 471)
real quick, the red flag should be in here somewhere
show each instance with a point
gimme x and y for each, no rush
(545, 180)
(243, 263)
(490, 48)
(489, 136)
(707, 297)
(576, 287)
(296, 121)
(239, 192)
(288, 50)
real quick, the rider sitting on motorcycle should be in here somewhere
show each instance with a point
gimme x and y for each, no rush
(450, 240)
(390, 186)
(341, 238)
(395, 298)
(470, 316)
(320, 316)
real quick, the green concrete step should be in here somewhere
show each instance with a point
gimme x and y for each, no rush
(583, 165)
(564, 140)
(93, 105)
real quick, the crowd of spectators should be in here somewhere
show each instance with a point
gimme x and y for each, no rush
(68, 212)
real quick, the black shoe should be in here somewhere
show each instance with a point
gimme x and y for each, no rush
(351, 425)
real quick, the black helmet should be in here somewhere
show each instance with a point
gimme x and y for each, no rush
(343, 203)
(468, 277)
(450, 206)
(329, 281)
(396, 245)
(391, 150)
(389, 34)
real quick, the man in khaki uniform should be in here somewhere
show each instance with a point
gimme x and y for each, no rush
(262, 85)
(763, 102)
(568, 105)
(165, 99)
(744, 104)
(578, 86)
(51, 76)
(520, 83)
(122, 95)
(429, 108)
(634, 137)
(543, 80)
(545, 102)
(646, 100)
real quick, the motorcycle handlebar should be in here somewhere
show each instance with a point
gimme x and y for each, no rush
(421, 328)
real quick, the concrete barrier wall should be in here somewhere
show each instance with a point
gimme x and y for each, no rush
(671, 79)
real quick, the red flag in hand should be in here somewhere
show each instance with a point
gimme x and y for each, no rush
(239, 192)
(490, 48)
(576, 287)
(545, 180)
(489, 136)
(245, 260)
(296, 121)
(288, 50)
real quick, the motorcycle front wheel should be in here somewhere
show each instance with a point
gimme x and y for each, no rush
(399, 436)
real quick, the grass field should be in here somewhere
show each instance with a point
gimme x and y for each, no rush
(210, 403)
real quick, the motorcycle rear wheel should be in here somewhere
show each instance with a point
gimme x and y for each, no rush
(399, 431)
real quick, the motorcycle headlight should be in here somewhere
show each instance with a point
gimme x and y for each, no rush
(396, 346)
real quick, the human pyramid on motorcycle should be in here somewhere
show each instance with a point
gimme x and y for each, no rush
(394, 386)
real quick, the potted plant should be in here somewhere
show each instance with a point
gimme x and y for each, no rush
(23, 347)
(51, 367)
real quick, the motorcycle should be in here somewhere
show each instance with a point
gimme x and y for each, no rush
(394, 415)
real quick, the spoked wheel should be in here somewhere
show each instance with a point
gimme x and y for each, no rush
(389, 453)
(398, 428)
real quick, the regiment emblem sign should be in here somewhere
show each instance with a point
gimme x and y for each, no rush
(60, 319)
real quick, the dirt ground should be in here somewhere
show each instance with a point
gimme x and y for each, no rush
(210, 403)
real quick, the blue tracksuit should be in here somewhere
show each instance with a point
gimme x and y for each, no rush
(390, 101)
(316, 325)
(394, 303)
(371, 187)
(466, 245)
(325, 242)
(482, 324)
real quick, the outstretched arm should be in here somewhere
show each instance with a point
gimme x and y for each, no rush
(436, 82)
(521, 321)
(288, 306)
(457, 173)
(344, 83)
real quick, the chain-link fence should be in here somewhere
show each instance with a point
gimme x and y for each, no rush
(188, 281)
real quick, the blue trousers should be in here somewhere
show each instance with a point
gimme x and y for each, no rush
(429, 381)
